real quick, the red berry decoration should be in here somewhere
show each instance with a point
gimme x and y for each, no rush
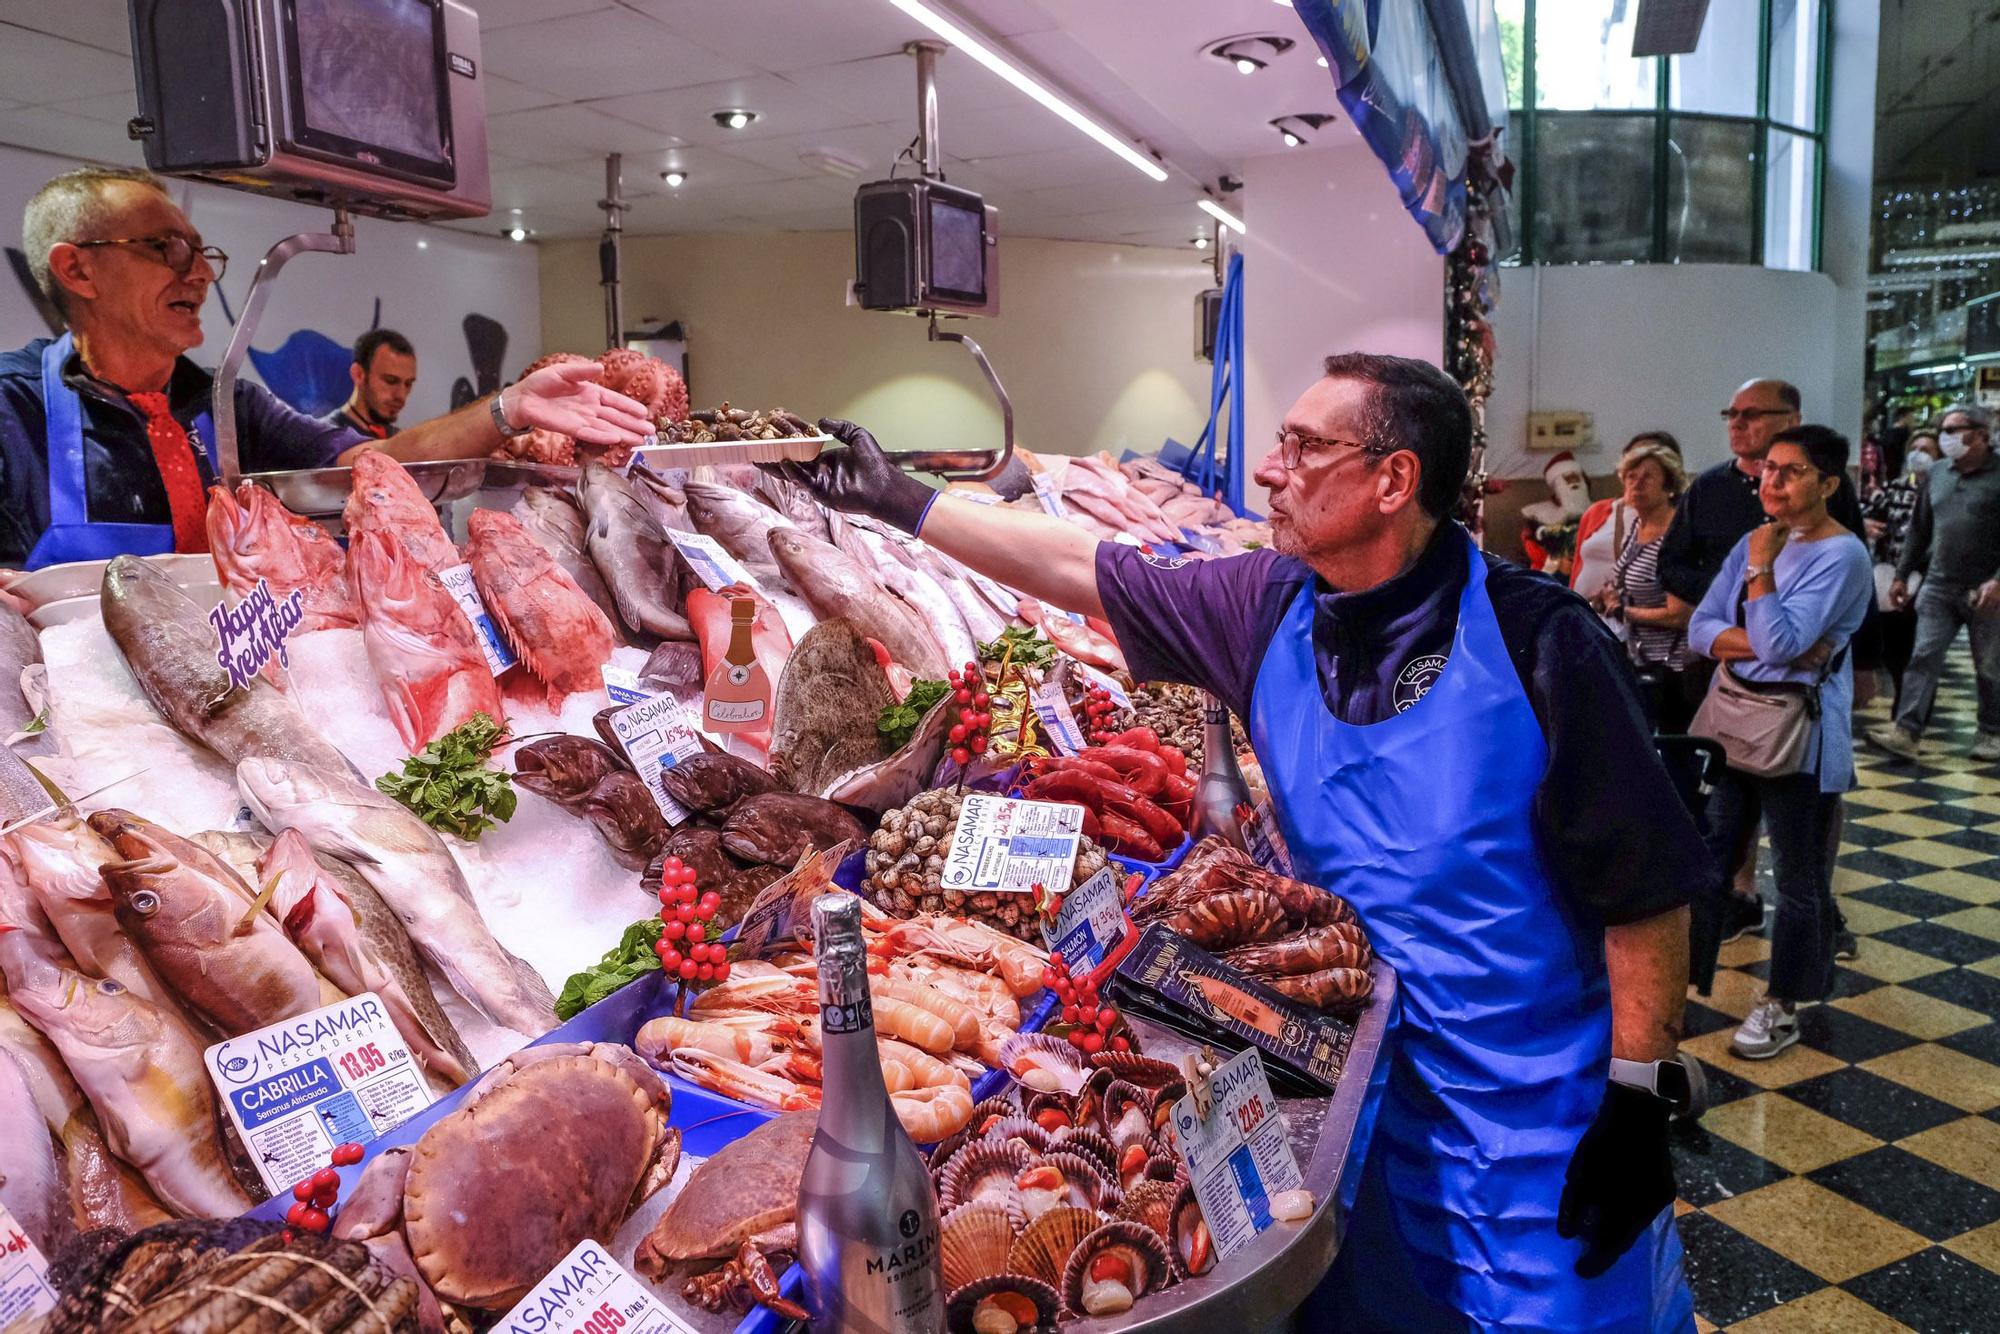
(346, 1155)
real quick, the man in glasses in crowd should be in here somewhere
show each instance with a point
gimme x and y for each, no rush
(106, 446)
(1456, 746)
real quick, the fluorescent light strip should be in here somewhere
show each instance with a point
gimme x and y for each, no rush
(1222, 215)
(1007, 70)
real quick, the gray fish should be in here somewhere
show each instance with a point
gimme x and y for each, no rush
(20, 653)
(661, 493)
(835, 585)
(552, 519)
(169, 645)
(31, 1184)
(827, 701)
(901, 575)
(743, 525)
(795, 503)
(646, 576)
(409, 866)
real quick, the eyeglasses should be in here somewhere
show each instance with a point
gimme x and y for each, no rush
(1752, 414)
(1787, 473)
(175, 251)
(1292, 446)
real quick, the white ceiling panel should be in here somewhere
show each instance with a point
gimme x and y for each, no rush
(497, 14)
(105, 24)
(601, 54)
(68, 136)
(822, 193)
(782, 35)
(874, 146)
(36, 68)
(541, 187)
(109, 108)
(782, 109)
(560, 133)
(1009, 18)
(1025, 129)
(1044, 171)
(1130, 190)
(708, 170)
(505, 95)
(884, 89)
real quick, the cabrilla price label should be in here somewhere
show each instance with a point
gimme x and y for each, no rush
(339, 1074)
(253, 631)
(589, 1293)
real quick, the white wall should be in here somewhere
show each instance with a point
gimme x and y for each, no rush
(427, 279)
(1849, 204)
(1331, 263)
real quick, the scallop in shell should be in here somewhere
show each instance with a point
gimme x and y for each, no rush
(1042, 1063)
(973, 1241)
(1051, 1111)
(1126, 1115)
(980, 1171)
(1044, 1246)
(1189, 1241)
(1086, 1143)
(1017, 1128)
(1002, 1304)
(1114, 1267)
(1152, 1203)
(1065, 1178)
(984, 1113)
(1146, 1072)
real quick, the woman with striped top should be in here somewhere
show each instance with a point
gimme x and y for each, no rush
(1656, 621)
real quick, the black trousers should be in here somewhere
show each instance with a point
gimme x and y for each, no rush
(1798, 817)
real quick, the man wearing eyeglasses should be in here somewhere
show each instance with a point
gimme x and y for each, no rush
(1456, 746)
(105, 442)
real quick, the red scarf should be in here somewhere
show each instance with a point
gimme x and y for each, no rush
(174, 456)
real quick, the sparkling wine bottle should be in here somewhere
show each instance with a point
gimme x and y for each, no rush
(867, 1217)
(1221, 794)
(738, 694)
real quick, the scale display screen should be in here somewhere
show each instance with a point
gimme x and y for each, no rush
(369, 83)
(958, 248)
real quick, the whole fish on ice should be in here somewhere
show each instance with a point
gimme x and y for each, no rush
(170, 647)
(193, 917)
(411, 869)
(553, 519)
(742, 524)
(385, 499)
(551, 624)
(346, 929)
(253, 536)
(141, 1070)
(31, 1184)
(837, 586)
(426, 655)
(62, 859)
(640, 566)
(21, 682)
(901, 575)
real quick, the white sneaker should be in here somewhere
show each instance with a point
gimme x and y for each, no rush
(1769, 1030)
(1986, 749)
(1896, 740)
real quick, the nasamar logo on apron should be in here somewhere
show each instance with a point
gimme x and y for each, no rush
(1416, 679)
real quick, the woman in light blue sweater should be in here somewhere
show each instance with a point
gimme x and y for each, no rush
(1789, 597)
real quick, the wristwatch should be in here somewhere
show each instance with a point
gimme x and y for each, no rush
(1678, 1082)
(499, 414)
(1751, 573)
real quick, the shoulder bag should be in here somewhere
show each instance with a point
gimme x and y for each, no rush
(1764, 727)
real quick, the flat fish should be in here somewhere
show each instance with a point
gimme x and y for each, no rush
(646, 576)
(835, 585)
(827, 702)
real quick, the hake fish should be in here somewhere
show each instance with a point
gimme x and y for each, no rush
(170, 647)
(140, 1069)
(344, 927)
(194, 918)
(551, 624)
(411, 869)
(553, 519)
(837, 586)
(639, 565)
(425, 653)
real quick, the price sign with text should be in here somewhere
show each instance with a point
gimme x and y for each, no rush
(336, 1075)
(1090, 925)
(1058, 723)
(24, 1283)
(590, 1293)
(711, 564)
(457, 581)
(1007, 846)
(657, 733)
(1239, 1156)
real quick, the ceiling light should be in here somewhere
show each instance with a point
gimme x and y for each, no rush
(1201, 243)
(1252, 53)
(1322, 62)
(515, 211)
(674, 177)
(1221, 215)
(1298, 128)
(733, 118)
(516, 233)
(422, 244)
(1027, 83)
(832, 163)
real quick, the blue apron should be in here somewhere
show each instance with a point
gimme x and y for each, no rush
(71, 536)
(1503, 1044)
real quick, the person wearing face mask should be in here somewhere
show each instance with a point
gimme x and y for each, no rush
(1954, 542)
(1887, 516)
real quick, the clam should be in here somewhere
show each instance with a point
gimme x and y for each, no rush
(1190, 1243)
(1043, 1064)
(1002, 1304)
(983, 1170)
(1044, 1247)
(973, 1241)
(1114, 1267)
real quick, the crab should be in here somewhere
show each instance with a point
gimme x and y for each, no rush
(555, 1144)
(741, 1206)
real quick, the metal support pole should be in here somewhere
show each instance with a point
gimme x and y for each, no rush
(929, 155)
(222, 406)
(613, 205)
(969, 465)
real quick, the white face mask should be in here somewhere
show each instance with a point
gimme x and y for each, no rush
(1920, 464)
(1952, 445)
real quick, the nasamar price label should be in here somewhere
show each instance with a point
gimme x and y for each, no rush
(24, 1284)
(1240, 1156)
(590, 1293)
(340, 1074)
(621, 684)
(1008, 847)
(710, 563)
(657, 734)
(1045, 491)
(1052, 710)
(1110, 684)
(457, 581)
(1090, 925)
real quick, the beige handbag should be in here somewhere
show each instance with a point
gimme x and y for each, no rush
(1765, 728)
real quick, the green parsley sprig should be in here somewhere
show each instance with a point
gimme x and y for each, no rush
(448, 786)
(898, 722)
(1030, 649)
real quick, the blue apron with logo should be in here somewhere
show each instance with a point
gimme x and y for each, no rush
(71, 536)
(1502, 1046)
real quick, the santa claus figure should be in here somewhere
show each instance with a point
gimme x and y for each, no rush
(1548, 527)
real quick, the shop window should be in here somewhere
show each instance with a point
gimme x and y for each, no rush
(1791, 189)
(1594, 195)
(1583, 57)
(1720, 76)
(1711, 191)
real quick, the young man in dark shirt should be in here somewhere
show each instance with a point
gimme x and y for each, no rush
(385, 373)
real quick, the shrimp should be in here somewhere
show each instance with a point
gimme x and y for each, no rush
(733, 1079)
(926, 1070)
(773, 993)
(982, 992)
(931, 1114)
(963, 1020)
(913, 1024)
(670, 1033)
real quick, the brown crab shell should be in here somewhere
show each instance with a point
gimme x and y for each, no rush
(1147, 1072)
(747, 1188)
(982, 1169)
(552, 1154)
(1044, 1246)
(973, 1241)
(963, 1304)
(1142, 1247)
(1086, 1143)
(1182, 1230)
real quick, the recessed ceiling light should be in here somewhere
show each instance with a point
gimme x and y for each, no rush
(422, 244)
(1321, 62)
(674, 178)
(515, 211)
(733, 118)
(1298, 129)
(1252, 53)
(1221, 215)
(1201, 243)
(517, 233)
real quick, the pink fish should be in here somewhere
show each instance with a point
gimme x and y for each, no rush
(253, 536)
(426, 655)
(559, 634)
(385, 499)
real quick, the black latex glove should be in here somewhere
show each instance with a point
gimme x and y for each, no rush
(860, 479)
(1619, 1179)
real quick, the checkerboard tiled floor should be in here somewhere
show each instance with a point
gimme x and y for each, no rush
(1853, 1183)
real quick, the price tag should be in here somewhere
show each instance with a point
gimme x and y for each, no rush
(622, 685)
(1045, 491)
(457, 581)
(1201, 542)
(253, 631)
(657, 733)
(1264, 840)
(1110, 684)
(590, 1293)
(995, 594)
(1006, 846)
(1240, 1156)
(1058, 723)
(1091, 923)
(24, 1284)
(711, 564)
(336, 1075)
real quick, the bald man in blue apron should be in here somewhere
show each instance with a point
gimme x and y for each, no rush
(1456, 746)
